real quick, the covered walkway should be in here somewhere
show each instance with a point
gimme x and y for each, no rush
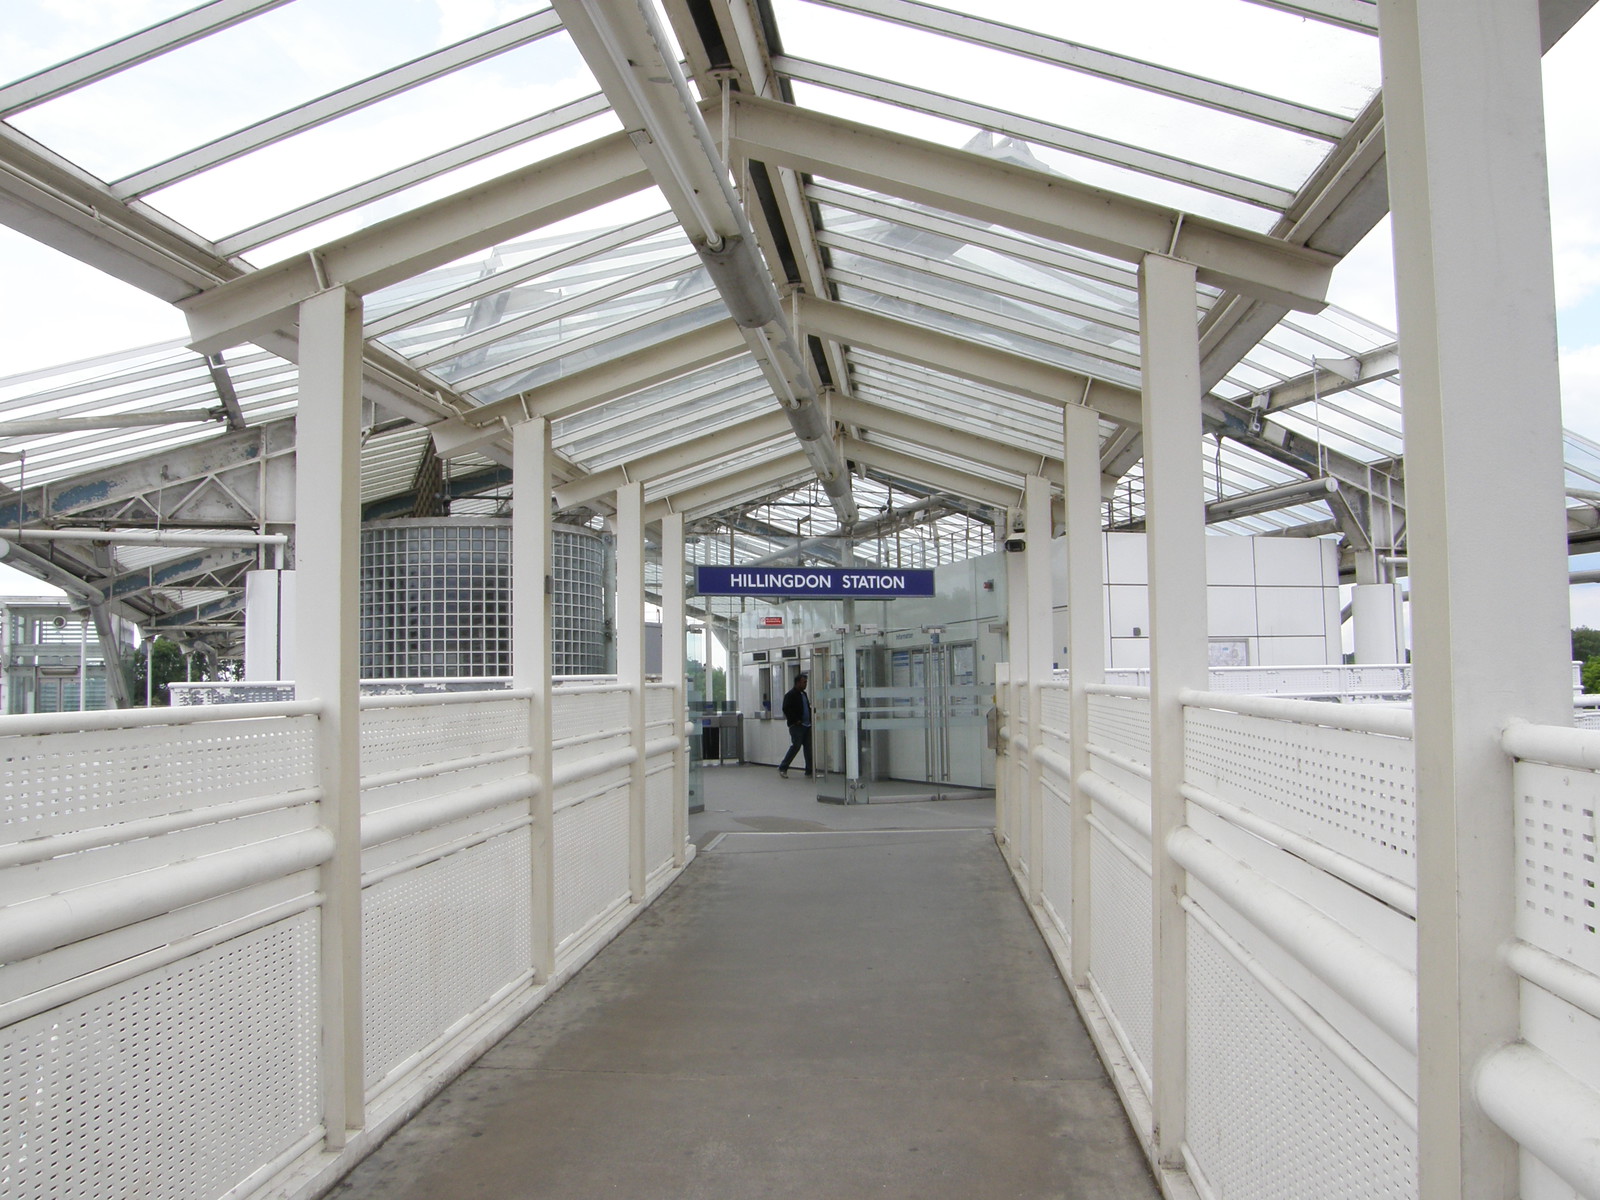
(851, 1002)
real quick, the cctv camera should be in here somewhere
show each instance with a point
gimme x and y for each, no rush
(1016, 545)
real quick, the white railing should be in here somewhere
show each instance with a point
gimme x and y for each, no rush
(1328, 681)
(1300, 1006)
(162, 920)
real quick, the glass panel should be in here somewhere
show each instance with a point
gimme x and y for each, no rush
(241, 75)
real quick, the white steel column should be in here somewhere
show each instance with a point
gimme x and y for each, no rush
(1174, 492)
(1041, 645)
(1086, 648)
(327, 665)
(630, 665)
(531, 582)
(673, 637)
(1016, 701)
(1466, 162)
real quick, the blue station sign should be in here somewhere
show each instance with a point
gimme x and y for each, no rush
(829, 583)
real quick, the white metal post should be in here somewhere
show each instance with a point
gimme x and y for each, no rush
(1175, 546)
(673, 651)
(630, 664)
(1086, 650)
(327, 664)
(1016, 694)
(1467, 181)
(531, 583)
(1039, 606)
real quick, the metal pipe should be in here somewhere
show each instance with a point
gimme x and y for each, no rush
(146, 537)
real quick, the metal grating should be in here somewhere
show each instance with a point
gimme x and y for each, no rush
(1121, 724)
(591, 853)
(1271, 1114)
(1057, 882)
(1558, 885)
(1119, 949)
(438, 942)
(135, 1090)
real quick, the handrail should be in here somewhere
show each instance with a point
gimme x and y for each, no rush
(1545, 1109)
(33, 724)
(1378, 986)
(1116, 689)
(430, 699)
(1358, 718)
(36, 926)
(1558, 745)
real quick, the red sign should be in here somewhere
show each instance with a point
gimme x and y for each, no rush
(772, 620)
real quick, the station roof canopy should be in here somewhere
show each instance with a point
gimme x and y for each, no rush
(799, 265)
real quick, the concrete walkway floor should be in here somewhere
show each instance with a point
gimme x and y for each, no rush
(814, 1013)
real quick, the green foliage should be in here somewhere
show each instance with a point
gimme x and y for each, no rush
(719, 684)
(167, 666)
(1585, 644)
(1591, 675)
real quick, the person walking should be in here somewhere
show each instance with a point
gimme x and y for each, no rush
(797, 712)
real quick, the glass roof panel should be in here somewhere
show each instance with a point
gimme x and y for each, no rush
(1100, 106)
(1244, 44)
(426, 120)
(238, 76)
(39, 35)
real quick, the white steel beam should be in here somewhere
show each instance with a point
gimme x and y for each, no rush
(1477, 320)
(674, 631)
(935, 475)
(1038, 609)
(1175, 547)
(966, 359)
(630, 667)
(1086, 652)
(1269, 110)
(605, 381)
(1019, 198)
(759, 479)
(327, 668)
(961, 442)
(672, 460)
(531, 575)
(419, 240)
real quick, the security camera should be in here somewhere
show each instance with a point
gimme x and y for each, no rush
(1016, 545)
(1016, 530)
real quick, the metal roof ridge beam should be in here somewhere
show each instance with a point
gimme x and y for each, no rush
(1048, 206)
(943, 439)
(419, 240)
(626, 50)
(937, 475)
(966, 359)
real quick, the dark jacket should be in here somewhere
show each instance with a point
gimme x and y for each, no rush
(795, 706)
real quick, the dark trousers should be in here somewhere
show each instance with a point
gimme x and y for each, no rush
(799, 743)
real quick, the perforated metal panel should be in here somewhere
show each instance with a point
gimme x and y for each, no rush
(1558, 881)
(660, 703)
(1055, 716)
(1121, 724)
(1024, 778)
(177, 1084)
(591, 853)
(1119, 953)
(574, 714)
(61, 782)
(1353, 792)
(658, 802)
(438, 942)
(395, 739)
(1272, 1114)
(1057, 847)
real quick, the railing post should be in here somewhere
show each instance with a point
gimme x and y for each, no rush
(531, 585)
(1040, 609)
(1175, 547)
(1086, 648)
(327, 667)
(1017, 682)
(1467, 183)
(630, 665)
(673, 634)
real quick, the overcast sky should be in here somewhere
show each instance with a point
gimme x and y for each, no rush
(55, 310)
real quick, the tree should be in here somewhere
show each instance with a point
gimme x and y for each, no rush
(167, 664)
(1585, 643)
(1591, 676)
